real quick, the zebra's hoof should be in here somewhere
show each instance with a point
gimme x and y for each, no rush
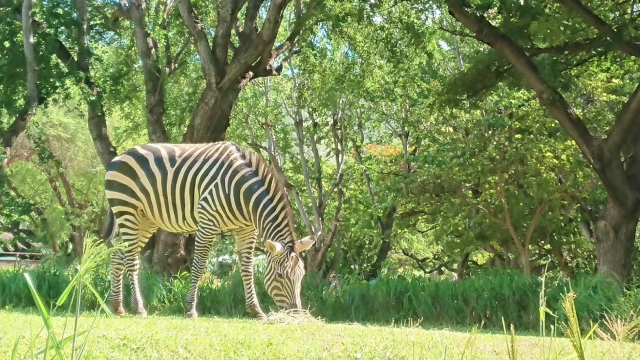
(191, 314)
(116, 308)
(257, 314)
(141, 313)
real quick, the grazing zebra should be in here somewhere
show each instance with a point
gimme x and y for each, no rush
(206, 189)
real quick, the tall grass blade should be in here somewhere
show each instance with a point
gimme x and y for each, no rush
(64, 342)
(14, 351)
(103, 305)
(469, 343)
(77, 319)
(45, 317)
(511, 340)
(571, 328)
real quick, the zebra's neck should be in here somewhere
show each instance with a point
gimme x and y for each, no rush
(270, 205)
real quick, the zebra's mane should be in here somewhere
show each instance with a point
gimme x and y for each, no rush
(266, 171)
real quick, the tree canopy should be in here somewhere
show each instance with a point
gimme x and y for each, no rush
(415, 136)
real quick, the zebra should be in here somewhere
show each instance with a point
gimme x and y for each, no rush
(206, 189)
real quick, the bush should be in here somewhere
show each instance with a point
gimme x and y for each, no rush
(485, 299)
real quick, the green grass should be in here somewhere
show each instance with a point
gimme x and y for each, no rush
(302, 336)
(486, 299)
(213, 338)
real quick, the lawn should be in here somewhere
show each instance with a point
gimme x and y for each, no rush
(158, 337)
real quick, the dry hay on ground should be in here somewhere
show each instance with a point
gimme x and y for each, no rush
(293, 317)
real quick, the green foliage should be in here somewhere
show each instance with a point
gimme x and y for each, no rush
(486, 299)
(447, 125)
(94, 255)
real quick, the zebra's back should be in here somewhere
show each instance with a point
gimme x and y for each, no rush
(166, 181)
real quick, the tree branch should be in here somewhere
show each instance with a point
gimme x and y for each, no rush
(250, 28)
(226, 18)
(338, 152)
(534, 223)
(605, 29)
(173, 63)
(549, 96)
(120, 12)
(154, 87)
(317, 161)
(420, 262)
(358, 155)
(492, 215)
(508, 223)
(207, 59)
(568, 48)
(626, 119)
(32, 67)
(301, 21)
(266, 66)
(298, 122)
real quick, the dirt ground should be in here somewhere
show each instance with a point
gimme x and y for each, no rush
(23, 263)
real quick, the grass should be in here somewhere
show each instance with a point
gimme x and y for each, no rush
(487, 299)
(301, 335)
(162, 337)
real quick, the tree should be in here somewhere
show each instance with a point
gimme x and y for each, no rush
(613, 157)
(233, 61)
(252, 57)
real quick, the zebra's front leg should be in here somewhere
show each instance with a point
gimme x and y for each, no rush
(246, 242)
(204, 239)
(117, 271)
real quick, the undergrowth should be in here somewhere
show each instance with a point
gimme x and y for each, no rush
(487, 299)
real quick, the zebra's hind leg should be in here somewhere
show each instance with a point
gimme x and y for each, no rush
(135, 240)
(204, 238)
(117, 270)
(246, 242)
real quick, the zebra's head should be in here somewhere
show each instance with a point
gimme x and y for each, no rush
(285, 271)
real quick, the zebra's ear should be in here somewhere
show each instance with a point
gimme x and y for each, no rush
(304, 244)
(273, 247)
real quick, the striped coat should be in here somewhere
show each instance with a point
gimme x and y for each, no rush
(206, 189)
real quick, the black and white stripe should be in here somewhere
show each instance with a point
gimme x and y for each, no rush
(206, 189)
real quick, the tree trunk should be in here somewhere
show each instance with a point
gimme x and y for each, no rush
(154, 87)
(32, 99)
(11, 135)
(335, 262)
(386, 229)
(169, 255)
(168, 251)
(462, 265)
(78, 241)
(211, 117)
(615, 235)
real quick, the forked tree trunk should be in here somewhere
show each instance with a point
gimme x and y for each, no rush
(211, 117)
(615, 234)
(228, 65)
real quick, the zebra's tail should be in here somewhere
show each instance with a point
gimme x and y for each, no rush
(112, 229)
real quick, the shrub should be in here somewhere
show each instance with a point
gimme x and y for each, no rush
(485, 299)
